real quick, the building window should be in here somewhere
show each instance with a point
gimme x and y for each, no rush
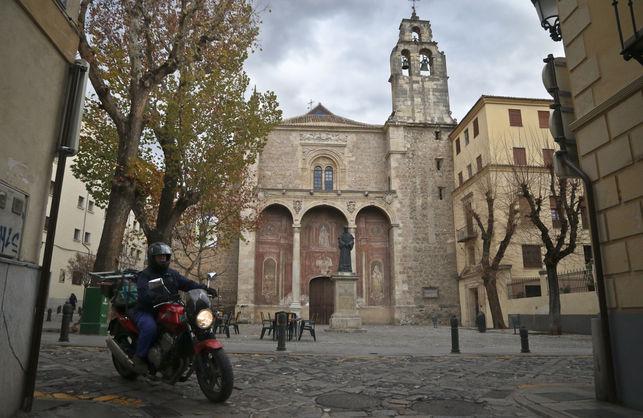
(531, 256)
(132, 251)
(76, 234)
(81, 202)
(46, 223)
(520, 156)
(555, 212)
(90, 206)
(438, 134)
(61, 276)
(457, 146)
(52, 184)
(441, 193)
(328, 178)
(476, 128)
(479, 163)
(469, 170)
(466, 137)
(3, 200)
(543, 119)
(471, 255)
(134, 225)
(515, 118)
(88, 237)
(587, 253)
(138, 254)
(438, 164)
(77, 277)
(317, 178)
(548, 157)
(583, 212)
(460, 180)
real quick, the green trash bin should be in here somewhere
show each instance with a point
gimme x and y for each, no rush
(95, 308)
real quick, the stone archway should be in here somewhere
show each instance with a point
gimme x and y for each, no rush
(372, 257)
(273, 257)
(320, 228)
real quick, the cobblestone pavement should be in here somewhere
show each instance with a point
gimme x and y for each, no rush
(311, 385)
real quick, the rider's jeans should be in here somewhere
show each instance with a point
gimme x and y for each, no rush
(146, 332)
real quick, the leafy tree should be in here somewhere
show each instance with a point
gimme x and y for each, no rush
(80, 265)
(139, 50)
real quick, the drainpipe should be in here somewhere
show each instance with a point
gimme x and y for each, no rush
(600, 278)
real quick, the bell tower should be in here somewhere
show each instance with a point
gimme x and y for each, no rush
(419, 76)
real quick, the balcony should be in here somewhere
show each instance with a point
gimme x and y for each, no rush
(466, 233)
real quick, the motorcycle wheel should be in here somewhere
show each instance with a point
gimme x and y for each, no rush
(214, 374)
(125, 341)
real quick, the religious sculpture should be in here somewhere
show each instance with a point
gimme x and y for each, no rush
(346, 242)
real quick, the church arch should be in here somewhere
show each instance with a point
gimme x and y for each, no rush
(426, 62)
(320, 227)
(373, 256)
(273, 256)
(405, 59)
(416, 35)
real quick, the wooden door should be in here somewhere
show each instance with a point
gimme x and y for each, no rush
(322, 299)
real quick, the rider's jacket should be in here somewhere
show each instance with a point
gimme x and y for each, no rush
(173, 281)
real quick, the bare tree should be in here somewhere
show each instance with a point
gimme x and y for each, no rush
(557, 228)
(79, 266)
(490, 261)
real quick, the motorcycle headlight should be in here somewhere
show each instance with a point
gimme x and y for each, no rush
(204, 318)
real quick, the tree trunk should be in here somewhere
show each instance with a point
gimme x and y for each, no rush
(111, 239)
(489, 281)
(555, 327)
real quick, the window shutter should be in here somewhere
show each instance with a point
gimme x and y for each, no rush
(520, 156)
(548, 157)
(531, 256)
(457, 146)
(515, 117)
(460, 178)
(479, 162)
(543, 119)
(476, 128)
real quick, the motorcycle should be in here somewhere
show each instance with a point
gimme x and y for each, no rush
(186, 342)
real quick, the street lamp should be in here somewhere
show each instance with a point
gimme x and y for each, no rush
(548, 15)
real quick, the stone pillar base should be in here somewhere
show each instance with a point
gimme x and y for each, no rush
(346, 318)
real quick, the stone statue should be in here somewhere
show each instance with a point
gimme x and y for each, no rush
(346, 242)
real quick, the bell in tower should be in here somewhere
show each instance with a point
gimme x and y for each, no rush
(418, 79)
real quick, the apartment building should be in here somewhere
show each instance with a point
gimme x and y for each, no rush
(78, 232)
(499, 142)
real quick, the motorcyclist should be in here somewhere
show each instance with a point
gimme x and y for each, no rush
(158, 256)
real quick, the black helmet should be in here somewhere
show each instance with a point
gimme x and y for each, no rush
(159, 248)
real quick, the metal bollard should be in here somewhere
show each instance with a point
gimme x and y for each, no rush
(49, 311)
(455, 344)
(68, 311)
(281, 322)
(524, 340)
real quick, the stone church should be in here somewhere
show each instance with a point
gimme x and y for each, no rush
(389, 184)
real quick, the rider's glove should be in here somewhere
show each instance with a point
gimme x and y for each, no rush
(212, 292)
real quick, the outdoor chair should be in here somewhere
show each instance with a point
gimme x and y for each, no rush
(308, 324)
(293, 323)
(267, 324)
(234, 322)
(223, 325)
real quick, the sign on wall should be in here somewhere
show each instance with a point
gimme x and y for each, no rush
(13, 208)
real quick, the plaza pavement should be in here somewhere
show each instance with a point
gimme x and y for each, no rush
(386, 371)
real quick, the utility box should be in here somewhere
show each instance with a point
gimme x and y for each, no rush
(95, 308)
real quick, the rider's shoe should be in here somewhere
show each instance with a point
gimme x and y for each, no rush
(140, 366)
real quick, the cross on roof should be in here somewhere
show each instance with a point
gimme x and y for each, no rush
(413, 7)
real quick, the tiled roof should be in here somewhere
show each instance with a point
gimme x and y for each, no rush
(320, 116)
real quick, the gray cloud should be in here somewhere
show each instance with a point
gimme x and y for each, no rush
(337, 52)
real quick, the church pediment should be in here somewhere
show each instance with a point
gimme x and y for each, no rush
(320, 116)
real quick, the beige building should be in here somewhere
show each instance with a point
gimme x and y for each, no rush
(320, 172)
(37, 46)
(607, 93)
(79, 228)
(501, 140)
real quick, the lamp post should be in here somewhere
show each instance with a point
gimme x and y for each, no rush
(548, 14)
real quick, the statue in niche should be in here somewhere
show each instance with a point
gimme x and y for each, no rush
(377, 282)
(346, 242)
(323, 237)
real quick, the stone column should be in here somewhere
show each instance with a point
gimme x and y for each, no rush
(352, 231)
(295, 305)
(246, 277)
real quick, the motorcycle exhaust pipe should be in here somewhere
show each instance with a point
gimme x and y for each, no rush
(118, 352)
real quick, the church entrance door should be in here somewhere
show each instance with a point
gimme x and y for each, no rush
(322, 299)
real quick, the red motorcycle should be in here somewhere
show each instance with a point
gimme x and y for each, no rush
(186, 341)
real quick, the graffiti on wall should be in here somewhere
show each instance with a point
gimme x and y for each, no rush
(9, 241)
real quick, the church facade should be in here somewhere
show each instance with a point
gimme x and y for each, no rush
(390, 184)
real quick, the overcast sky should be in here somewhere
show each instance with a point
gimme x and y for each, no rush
(337, 52)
